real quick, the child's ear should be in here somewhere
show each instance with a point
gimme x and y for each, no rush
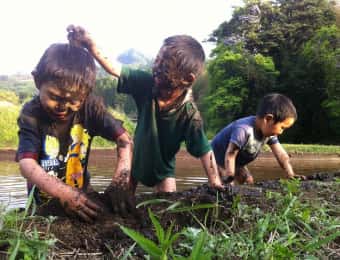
(189, 79)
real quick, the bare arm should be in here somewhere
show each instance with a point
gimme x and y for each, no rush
(230, 159)
(71, 198)
(284, 161)
(210, 167)
(121, 190)
(78, 36)
(124, 154)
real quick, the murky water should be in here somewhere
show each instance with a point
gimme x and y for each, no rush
(189, 172)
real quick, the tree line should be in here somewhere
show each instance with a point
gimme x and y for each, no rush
(286, 46)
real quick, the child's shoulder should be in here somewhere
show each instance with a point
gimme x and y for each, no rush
(190, 107)
(32, 107)
(243, 124)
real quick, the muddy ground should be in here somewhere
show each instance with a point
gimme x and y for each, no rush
(104, 238)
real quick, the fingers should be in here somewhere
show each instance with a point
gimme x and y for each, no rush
(91, 205)
(70, 28)
(122, 208)
(131, 203)
(227, 179)
(299, 177)
(82, 214)
(88, 211)
(77, 36)
(124, 204)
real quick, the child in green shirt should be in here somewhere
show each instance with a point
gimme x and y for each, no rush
(167, 114)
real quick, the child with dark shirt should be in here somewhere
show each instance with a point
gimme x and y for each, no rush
(241, 141)
(167, 114)
(56, 129)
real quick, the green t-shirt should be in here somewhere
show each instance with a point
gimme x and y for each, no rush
(159, 134)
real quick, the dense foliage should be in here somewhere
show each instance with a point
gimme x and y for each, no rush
(286, 46)
(298, 43)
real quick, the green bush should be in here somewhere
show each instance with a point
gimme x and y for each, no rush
(8, 124)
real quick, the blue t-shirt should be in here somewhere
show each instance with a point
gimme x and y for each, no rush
(241, 133)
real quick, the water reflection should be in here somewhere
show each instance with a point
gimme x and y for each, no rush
(189, 172)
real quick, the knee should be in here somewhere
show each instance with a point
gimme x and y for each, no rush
(167, 185)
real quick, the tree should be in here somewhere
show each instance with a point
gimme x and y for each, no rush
(294, 34)
(323, 55)
(275, 28)
(237, 80)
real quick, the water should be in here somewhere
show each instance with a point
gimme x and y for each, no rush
(189, 172)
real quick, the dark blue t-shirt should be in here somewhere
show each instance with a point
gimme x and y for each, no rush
(62, 148)
(241, 133)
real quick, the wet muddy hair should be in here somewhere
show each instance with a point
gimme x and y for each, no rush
(68, 67)
(183, 55)
(280, 106)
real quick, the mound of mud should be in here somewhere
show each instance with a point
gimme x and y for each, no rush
(94, 241)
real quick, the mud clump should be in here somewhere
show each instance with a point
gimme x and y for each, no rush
(105, 237)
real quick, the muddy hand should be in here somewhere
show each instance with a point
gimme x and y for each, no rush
(122, 199)
(77, 203)
(227, 179)
(218, 186)
(77, 36)
(299, 177)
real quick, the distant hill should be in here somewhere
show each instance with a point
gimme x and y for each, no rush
(134, 57)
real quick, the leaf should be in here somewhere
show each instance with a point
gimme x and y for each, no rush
(318, 243)
(158, 227)
(197, 251)
(153, 201)
(146, 244)
(195, 207)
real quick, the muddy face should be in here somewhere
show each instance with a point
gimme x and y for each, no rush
(59, 104)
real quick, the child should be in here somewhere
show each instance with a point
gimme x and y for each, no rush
(241, 141)
(57, 127)
(167, 114)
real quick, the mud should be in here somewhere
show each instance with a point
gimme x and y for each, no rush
(104, 239)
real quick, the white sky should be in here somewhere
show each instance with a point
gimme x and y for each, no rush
(28, 27)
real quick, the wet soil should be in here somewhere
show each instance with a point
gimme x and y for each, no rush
(104, 238)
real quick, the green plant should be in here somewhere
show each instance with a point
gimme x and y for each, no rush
(166, 239)
(19, 235)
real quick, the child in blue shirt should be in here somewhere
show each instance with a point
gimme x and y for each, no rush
(241, 141)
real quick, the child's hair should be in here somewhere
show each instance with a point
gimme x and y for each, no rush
(280, 106)
(68, 67)
(183, 55)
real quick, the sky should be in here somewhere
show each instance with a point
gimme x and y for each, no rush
(28, 27)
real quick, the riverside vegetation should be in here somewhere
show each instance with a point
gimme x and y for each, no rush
(285, 46)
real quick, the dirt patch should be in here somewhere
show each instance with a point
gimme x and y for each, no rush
(104, 237)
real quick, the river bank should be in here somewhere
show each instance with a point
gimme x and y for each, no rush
(235, 223)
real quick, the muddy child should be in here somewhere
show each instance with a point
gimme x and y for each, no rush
(241, 141)
(167, 115)
(56, 129)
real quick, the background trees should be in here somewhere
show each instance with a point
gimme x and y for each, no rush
(287, 46)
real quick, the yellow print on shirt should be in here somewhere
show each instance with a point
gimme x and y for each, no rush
(76, 155)
(51, 146)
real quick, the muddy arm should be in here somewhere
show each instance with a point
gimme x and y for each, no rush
(71, 198)
(283, 159)
(124, 154)
(209, 164)
(122, 188)
(78, 36)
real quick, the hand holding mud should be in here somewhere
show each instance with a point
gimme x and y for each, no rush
(77, 36)
(122, 199)
(76, 202)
